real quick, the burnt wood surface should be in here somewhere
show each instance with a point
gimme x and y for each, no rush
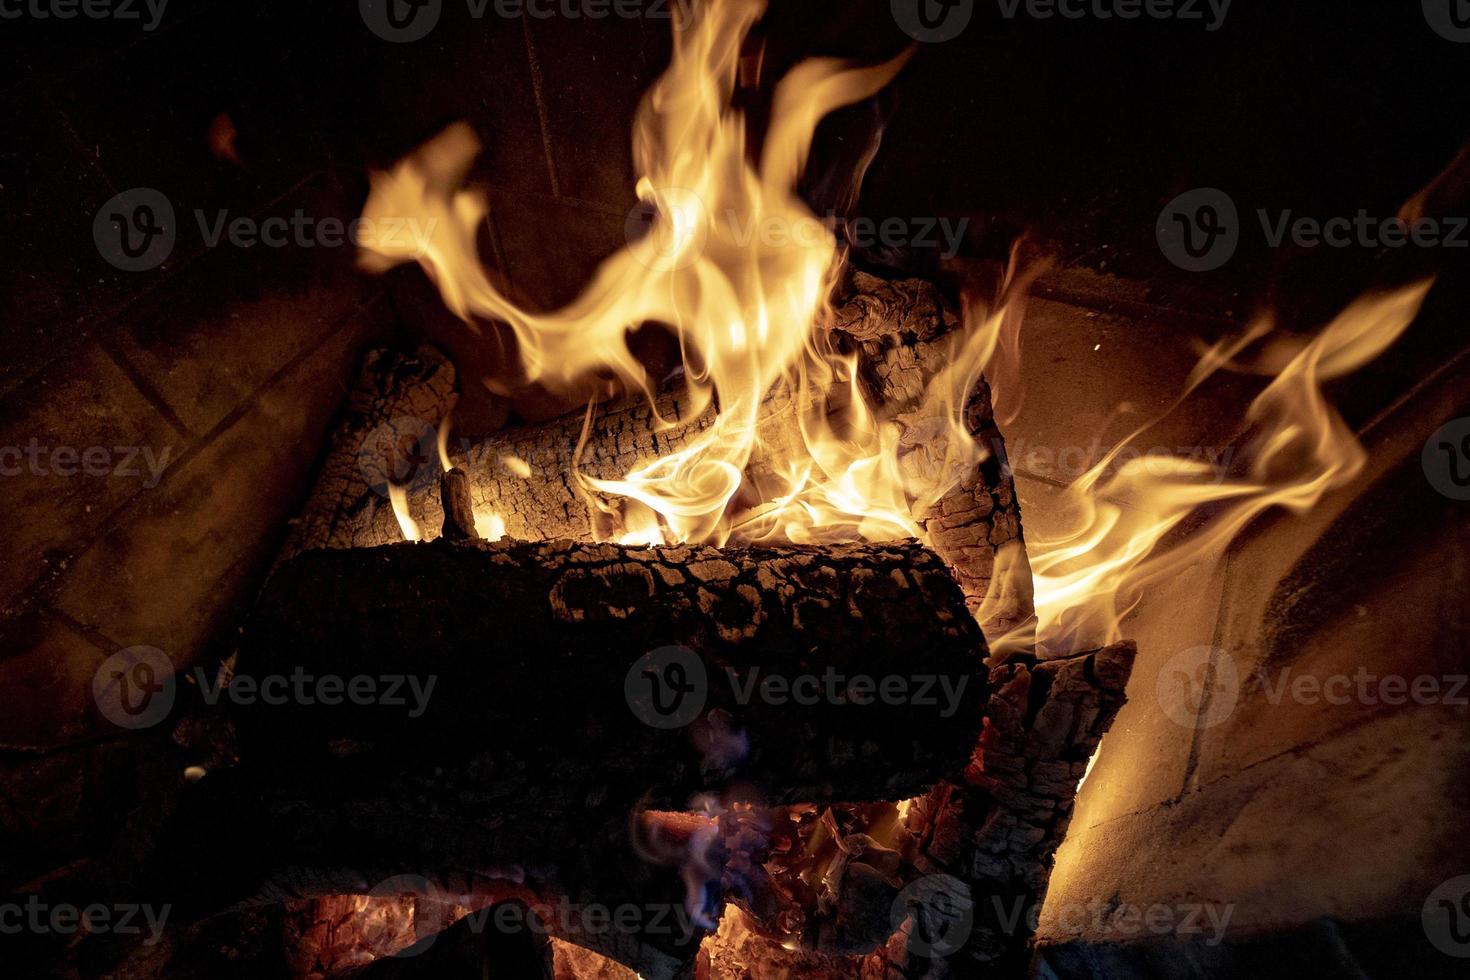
(900, 332)
(533, 645)
(520, 778)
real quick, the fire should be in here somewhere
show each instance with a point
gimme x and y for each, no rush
(795, 453)
(398, 497)
(745, 304)
(1087, 579)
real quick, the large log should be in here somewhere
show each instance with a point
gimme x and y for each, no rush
(869, 670)
(518, 780)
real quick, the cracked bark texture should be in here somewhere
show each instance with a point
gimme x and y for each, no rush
(518, 781)
(386, 433)
(901, 333)
(541, 638)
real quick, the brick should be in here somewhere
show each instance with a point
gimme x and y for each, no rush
(51, 274)
(211, 336)
(48, 685)
(172, 570)
(551, 248)
(590, 111)
(83, 401)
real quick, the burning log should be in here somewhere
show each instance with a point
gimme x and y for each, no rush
(901, 334)
(386, 436)
(846, 673)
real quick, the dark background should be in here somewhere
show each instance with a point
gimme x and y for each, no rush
(1077, 131)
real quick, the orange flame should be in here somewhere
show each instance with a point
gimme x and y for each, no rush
(745, 304)
(1090, 577)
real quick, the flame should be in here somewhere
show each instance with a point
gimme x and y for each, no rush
(795, 453)
(398, 496)
(744, 304)
(1087, 579)
(490, 526)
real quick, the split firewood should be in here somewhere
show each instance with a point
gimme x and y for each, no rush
(386, 436)
(459, 509)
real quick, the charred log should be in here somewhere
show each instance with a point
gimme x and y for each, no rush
(847, 673)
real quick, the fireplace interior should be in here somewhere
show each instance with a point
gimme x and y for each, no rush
(584, 490)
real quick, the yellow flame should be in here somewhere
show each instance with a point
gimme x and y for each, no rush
(516, 465)
(795, 453)
(442, 441)
(490, 526)
(745, 303)
(398, 496)
(1088, 578)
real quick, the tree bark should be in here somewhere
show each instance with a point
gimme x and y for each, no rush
(386, 434)
(566, 646)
